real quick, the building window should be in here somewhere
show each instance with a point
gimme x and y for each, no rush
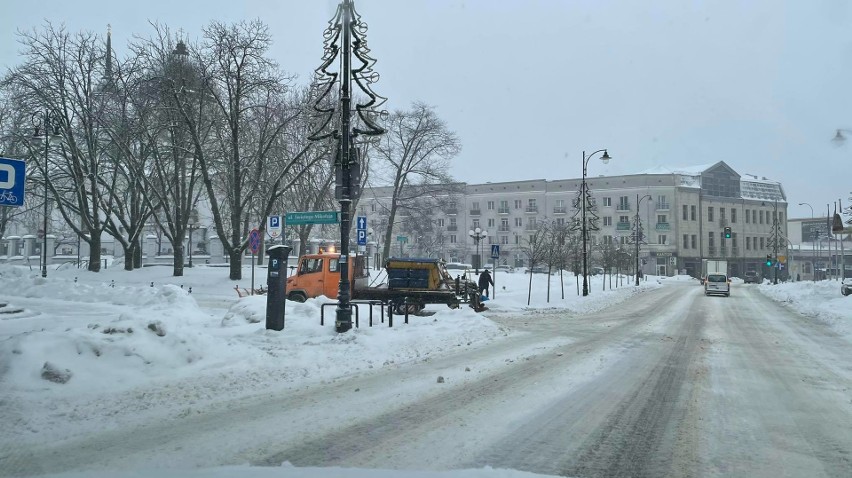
(761, 243)
(780, 217)
(452, 238)
(607, 221)
(490, 205)
(607, 202)
(661, 239)
(475, 223)
(607, 240)
(518, 204)
(662, 203)
(686, 241)
(694, 241)
(733, 216)
(685, 212)
(504, 240)
(661, 218)
(519, 222)
(623, 203)
(747, 217)
(439, 222)
(722, 214)
(517, 239)
(761, 217)
(373, 207)
(490, 222)
(748, 243)
(623, 218)
(710, 213)
(504, 207)
(691, 213)
(531, 206)
(734, 240)
(453, 222)
(504, 224)
(711, 240)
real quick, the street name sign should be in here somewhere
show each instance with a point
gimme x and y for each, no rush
(312, 217)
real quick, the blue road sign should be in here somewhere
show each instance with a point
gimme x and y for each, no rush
(274, 221)
(362, 237)
(361, 223)
(495, 251)
(254, 241)
(12, 179)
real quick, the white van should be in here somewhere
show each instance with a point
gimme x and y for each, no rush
(717, 284)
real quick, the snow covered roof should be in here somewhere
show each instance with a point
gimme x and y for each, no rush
(686, 170)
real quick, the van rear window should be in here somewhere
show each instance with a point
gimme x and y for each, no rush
(717, 278)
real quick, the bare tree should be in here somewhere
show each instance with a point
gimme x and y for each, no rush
(61, 75)
(536, 248)
(413, 158)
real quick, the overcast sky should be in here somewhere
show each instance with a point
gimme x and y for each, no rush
(529, 85)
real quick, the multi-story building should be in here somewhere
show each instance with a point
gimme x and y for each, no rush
(683, 212)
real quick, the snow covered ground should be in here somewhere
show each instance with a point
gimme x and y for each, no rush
(82, 352)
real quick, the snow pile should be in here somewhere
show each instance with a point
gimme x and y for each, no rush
(820, 300)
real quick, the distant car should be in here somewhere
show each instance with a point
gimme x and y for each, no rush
(751, 278)
(458, 266)
(596, 271)
(537, 270)
(846, 286)
(717, 284)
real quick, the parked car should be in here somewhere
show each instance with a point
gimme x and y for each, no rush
(596, 271)
(537, 270)
(718, 284)
(751, 277)
(846, 286)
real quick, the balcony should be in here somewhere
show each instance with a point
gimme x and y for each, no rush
(663, 226)
(622, 207)
(663, 206)
(503, 229)
(622, 226)
(560, 210)
(475, 212)
(531, 227)
(532, 209)
(452, 228)
(503, 210)
(451, 211)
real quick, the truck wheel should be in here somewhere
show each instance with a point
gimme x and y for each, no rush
(297, 297)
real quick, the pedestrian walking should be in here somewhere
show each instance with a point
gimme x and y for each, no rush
(484, 281)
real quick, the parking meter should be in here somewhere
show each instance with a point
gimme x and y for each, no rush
(276, 284)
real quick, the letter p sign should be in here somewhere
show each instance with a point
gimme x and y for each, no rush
(12, 179)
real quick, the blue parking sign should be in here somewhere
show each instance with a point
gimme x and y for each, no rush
(362, 237)
(12, 180)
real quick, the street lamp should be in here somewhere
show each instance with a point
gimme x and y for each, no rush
(478, 234)
(637, 231)
(46, 126)
(584, 193)
(344, 38)
(192, 223)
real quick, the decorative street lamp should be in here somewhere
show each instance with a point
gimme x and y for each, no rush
(478, 235)
(345, 38)
(637, 231)
(584, 198)
(46, 126)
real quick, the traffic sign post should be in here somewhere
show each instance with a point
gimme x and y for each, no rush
(495, 254)
(254, 246)
(273, 226)
(12, 180)
(361, 230)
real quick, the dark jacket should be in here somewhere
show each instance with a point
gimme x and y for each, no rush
(485, 279)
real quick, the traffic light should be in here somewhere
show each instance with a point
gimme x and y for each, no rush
(768, 260)
(727, 233)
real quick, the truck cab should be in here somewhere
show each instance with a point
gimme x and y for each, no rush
(319, 274)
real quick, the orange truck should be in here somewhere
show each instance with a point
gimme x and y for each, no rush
(410, 285)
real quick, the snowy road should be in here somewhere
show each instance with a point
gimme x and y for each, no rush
(670, 384)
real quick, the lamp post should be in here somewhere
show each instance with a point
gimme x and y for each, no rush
(47, 126)
(192, 223)
(344, 38)
(584, 193)
(813, 240)
(478, 235)
(637, 231)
